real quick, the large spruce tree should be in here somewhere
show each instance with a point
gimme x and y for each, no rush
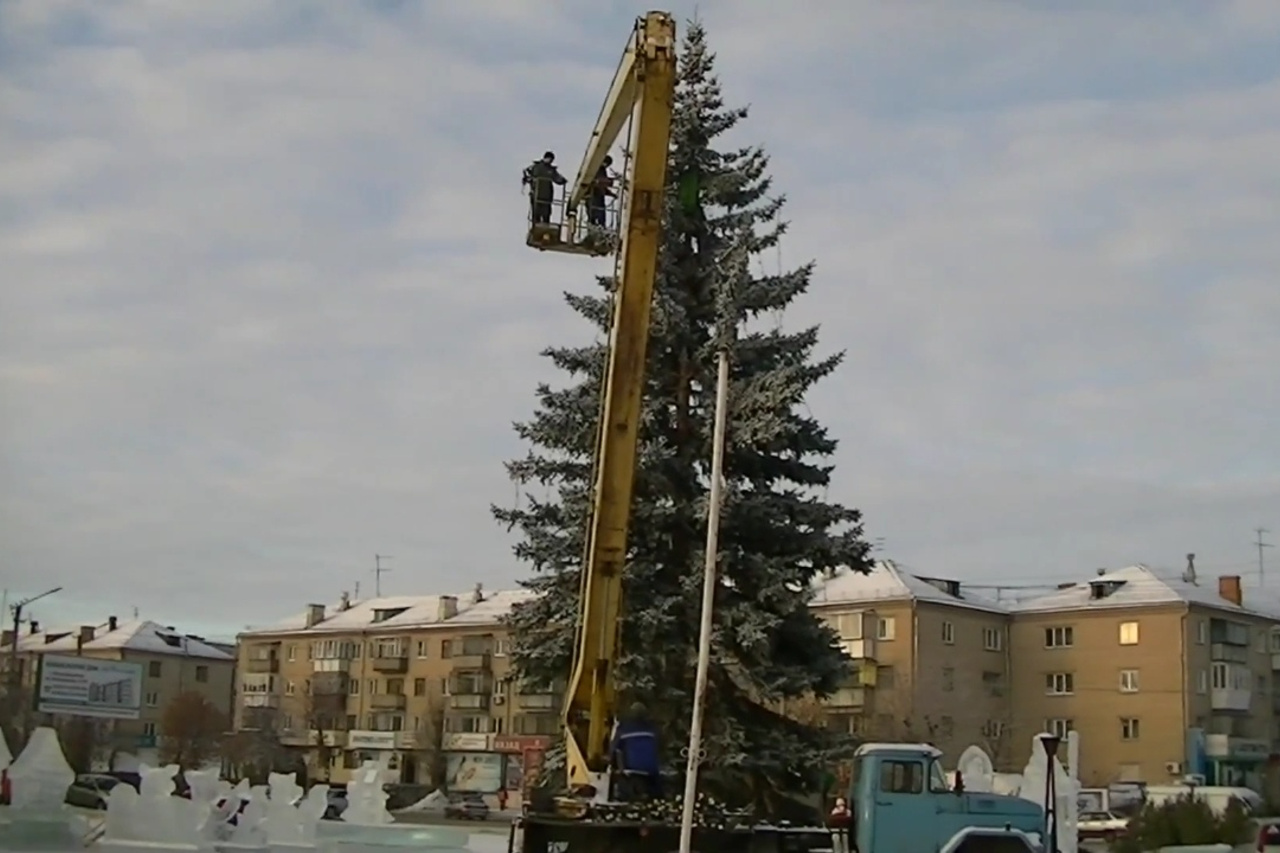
(777, 533)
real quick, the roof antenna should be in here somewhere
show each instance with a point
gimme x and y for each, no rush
(135, 612)
(1189, 575)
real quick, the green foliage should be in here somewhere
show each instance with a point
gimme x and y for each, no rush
(1185, 821)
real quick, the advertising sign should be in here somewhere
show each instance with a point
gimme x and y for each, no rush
(87, 687)
(371, 740)
(465, 742)
(474, 771)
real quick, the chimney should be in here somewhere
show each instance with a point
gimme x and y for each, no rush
(86, 635)
(448, 607)
(1189, 575)
(1101, 572)
(1066, 585)
(478, 595)
(315, 614)
(344, 603)
(7, 637)
(112, 623)
(1229, 588)
(35, 627)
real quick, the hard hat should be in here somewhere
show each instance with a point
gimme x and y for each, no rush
(549, 156)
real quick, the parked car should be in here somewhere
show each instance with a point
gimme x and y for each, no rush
(1107, 826)
(466, 806)
(90, 790)
(1268, 836)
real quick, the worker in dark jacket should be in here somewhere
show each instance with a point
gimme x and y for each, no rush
(601, 191)
(541, 177)
(635, 750)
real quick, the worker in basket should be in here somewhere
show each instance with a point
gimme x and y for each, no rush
(541, 177)
(635, 752)
(601, 192)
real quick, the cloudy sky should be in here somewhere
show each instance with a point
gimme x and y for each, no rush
(266, 308)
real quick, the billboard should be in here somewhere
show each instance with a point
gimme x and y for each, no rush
(473, 771)
(87, 687)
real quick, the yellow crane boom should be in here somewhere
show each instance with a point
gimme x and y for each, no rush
(643, 91)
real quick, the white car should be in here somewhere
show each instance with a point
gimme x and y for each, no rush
(1104, 825)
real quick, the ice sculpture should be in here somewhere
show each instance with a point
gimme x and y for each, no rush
(976, 770)
(247, 827)
(204, 787)
(1034, 777)
(291, 819)
(39, 779)
(366, 800)
(151, 817)
(5, 755)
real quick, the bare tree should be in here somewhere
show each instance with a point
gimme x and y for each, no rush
(430, 742)
(997, 741)
(85, 742)
(192, 730)
(256, 750)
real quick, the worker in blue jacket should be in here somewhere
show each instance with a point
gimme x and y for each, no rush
(635, 750)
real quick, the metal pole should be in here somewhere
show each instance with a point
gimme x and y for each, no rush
(708, 602)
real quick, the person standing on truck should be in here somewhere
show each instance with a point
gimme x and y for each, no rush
(541, 177)
(601, 192)
(635, 750)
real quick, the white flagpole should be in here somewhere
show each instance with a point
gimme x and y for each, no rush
(708, 601)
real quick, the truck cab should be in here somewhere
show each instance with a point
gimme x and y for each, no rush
(902, 803)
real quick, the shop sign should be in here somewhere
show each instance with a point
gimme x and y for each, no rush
(466, 742)
(480, 772)
(1236, 748)
(371, 740)
(520, 743)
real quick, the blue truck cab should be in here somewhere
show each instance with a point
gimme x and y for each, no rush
(901, 803)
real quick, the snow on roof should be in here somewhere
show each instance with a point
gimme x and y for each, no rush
(400, 612)
(136, 636)
(1136, 586)
(887, 582)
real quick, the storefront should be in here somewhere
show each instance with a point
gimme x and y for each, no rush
(1235, 761)
(522, 758)
(471, 764)
(389, 747)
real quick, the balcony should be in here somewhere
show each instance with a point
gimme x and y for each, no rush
(538, 702)
(260, 700)
(330, 684)
(303, 737)
(848, 697)
(470, 685)
(481, 661)
(329, 704)
(469, 702)
(390, 663)
(262, 666)
(258, 718)
(342, 665)
(387, 701)
(1228, 699)
(1228, 653)
(864, 649)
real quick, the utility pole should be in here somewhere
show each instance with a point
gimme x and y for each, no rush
(378, 572)
(15, 677)
(1263, 545)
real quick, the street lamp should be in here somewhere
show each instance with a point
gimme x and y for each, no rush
(15, 680)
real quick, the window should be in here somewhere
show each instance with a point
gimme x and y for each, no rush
(471, 724)
(849, 626)
(291, 652)
(992, 639)
(353, 687)
(421, 648)
(372, 686)
(1059, 727)
(993, 729)
(446, 648)
(1275, 641)
(351, 722)
(202, 674)
(949, 633)
(395, 686)
(1060, 683)
(501, 647)
(1202, 631)
(153, 669)
(902, 777)
(419, 687)
(153, 699)
(948, 678)
(1128, 633)
(1128, 681)
(885, 628)
(149, 729)
(1129, 728)
(1062, 637)
(288, 688)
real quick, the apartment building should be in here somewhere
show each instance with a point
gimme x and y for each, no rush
(171, 662)
(1162, 676)
(423, 681)
(931, 660)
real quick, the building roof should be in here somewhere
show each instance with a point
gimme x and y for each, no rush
(887, 582)
(1137, 586)
(137, 636)
(406, 611)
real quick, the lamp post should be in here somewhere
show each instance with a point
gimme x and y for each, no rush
(15, 677)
